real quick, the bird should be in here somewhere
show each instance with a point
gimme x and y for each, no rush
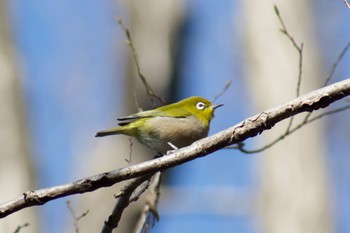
(169, 127)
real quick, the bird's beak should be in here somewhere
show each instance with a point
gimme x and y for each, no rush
(216, 106)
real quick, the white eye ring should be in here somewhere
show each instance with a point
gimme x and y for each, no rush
(200, 105)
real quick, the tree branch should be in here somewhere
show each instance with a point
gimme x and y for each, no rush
(250, 127)
(123, 201)
(149, 215)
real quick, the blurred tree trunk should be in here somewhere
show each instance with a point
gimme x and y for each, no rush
(294, 189)
(16, 170)
(150, 30)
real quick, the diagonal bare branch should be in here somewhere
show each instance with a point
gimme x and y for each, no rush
(250, 127)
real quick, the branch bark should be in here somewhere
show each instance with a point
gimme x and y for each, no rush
(250, 127)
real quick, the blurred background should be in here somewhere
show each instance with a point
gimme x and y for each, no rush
(66, 73)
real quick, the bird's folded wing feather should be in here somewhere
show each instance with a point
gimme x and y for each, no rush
(177, 113)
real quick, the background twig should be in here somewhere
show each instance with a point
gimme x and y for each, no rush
(19, 228)
(150, 92)
(335, 64)
(74, 216)
(227, 85)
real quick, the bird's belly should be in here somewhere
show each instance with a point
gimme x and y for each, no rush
(180, 132)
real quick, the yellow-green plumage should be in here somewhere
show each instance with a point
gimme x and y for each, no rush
(180, 124)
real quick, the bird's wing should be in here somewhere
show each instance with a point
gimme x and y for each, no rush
(177, 113)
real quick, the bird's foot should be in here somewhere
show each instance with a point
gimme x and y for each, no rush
(158, 155)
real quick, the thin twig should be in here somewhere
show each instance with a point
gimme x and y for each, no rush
(72, 212)
(75, 218)
(300, 68)
(335, 64)
(284, 30)
(337, 110)
(83, 215)
(227, 85)
(240, 146)
(150, 92)
(128, 160)
(296, 46)
(19, 228)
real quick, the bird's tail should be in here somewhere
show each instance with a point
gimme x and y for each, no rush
(108, 132)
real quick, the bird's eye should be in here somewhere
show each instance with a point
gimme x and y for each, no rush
(200, 105)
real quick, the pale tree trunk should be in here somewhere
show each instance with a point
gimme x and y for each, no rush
(294, 188)
(151, 30)
(16, 170)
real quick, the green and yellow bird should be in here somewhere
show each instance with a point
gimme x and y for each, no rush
(168, 127)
